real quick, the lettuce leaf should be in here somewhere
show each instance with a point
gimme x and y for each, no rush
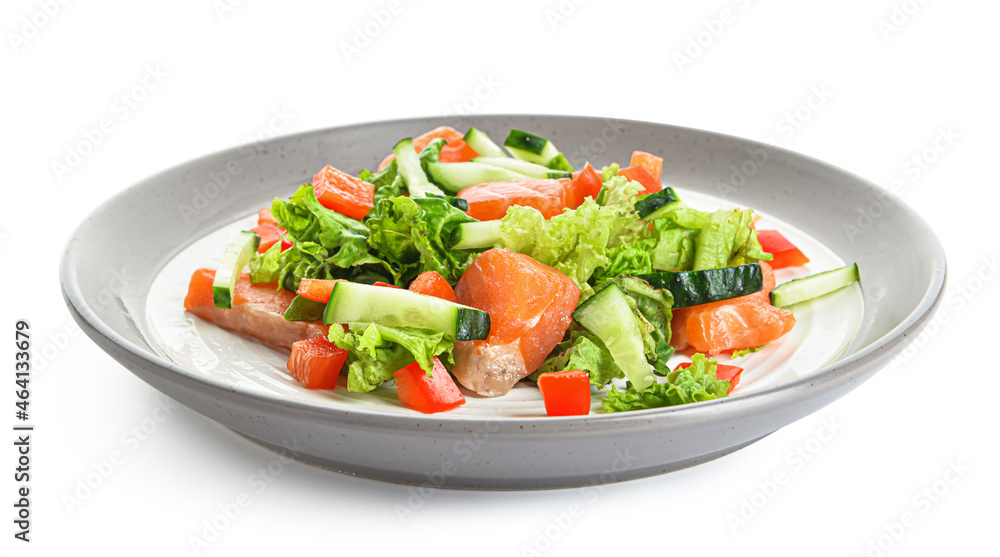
(413, 235)
(747, 351)
(727, 240)
(674, 249)
(376, 352)
(326, 245)
(577, 242)
(629, 259)
(692, 384)
(585, 352)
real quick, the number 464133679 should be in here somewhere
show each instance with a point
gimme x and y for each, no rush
(22, 367)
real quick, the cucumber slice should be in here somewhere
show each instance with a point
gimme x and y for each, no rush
(650, 205)
(814, 286)
(482, 144)
(693, 288)
(304, 309)
(608, 316)
(413, 173)
(561, 163)
(476, 235)
(456, 176)
(535, 148)
(351, 302)
(234, 259)
(529, 169)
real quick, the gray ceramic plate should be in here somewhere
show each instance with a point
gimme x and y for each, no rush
(158, 230)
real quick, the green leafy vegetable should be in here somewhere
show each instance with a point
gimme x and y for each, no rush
(577, 242)
(327, 245)
(585, 352)
(693, 384)
(388, 182)
(727, 240)
(413, 235)
(376, 352)
(674, 249)
(747, 351)
(609, 172)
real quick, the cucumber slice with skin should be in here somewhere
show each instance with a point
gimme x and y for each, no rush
(693, 288)
(408, 164)
(608, 316)
(814, 286)
(351, 302)
(476, 235)
(524, 167)
(651, 204)
(456, 176)
(482, 144)
(304, 309)
(535, 148)
(234, 259)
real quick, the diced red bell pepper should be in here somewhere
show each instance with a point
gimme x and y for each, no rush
(566, 393)
(586, 183)
(652, 163)
(785, 253)
(431, 283)
(317, 290)
(437, 393)
(723, 372)
(641, 175)
(343, 193)
(316, 363)
(270, 234)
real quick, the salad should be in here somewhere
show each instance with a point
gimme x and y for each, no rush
(461, 263)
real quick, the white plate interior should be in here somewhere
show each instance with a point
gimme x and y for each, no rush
(824, 330)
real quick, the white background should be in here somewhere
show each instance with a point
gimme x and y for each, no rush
(887, 94)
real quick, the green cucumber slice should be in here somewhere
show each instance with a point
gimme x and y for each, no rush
(482, 144)
(608, 316)
(529, 169)
(234, 259)
(693, 288)
(351, 302)
(413, 173)
(535, 148)
(476, 235)
(814, 286)
(650, 205)
(304, 309)
(456, 176)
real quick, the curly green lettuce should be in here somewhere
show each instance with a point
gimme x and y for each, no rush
(692, 384)
(580, 241)
(376, 352)
(326, 245)
(413, 234)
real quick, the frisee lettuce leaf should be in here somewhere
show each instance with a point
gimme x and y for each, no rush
(693, 384)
